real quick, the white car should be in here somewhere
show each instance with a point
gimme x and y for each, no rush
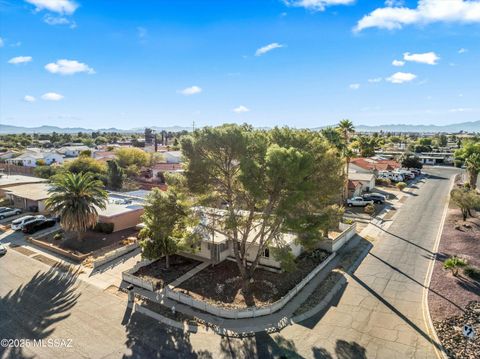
(8, 212)
(3, 249)
(358, 202)
(18, 224)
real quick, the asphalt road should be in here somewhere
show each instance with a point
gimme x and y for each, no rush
(379, 315)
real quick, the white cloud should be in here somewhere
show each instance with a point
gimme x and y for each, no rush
(190, 90)
(354, 86)
(462, 50)
(58, 20)
(68, 67)
(429, 58)
(401, 77)
(241, 109)
(20, 60)
(52, 96)
(398, 63)
(427, 11)
(375, 80)
(394, 3)
(67, 7)
(1, 42)
(29, 98)
(263, 50)
(316, 5)
(461, 109)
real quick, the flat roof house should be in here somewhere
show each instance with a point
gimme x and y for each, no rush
(29, 197)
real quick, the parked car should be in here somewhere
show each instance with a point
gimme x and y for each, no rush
(38, 225)
(358, 202)
(394, 177)
(3, 249)
(417, 171)
(8, 212)
(375, 197)
(18, 224)
(406, 174)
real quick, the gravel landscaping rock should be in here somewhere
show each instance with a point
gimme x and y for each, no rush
(450, 333)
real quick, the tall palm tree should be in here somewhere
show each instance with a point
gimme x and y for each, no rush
(473, 167)
(346, 129)
(75, 198)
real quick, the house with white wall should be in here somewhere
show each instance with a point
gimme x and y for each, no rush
(173, 156)
(72, 151)
(31, 157)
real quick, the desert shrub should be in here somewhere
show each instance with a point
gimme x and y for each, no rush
(347, 221)
(369, 209)
(454, 264)
(472, 272)
(383, 182)
(401, 185)
(57, 236)
(458, 163)
(106, 228)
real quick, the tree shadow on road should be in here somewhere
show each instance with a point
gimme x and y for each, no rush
(403, 239)
(147, 338)
(343, 350)
(31, 311)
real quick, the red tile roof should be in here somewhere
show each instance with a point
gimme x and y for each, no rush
(352, 184)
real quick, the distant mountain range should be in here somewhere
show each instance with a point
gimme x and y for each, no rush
(7, 129)
(457, 127)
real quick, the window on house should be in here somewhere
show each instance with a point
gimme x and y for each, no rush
(266, 253)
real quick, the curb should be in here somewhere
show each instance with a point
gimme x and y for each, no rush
(441, 354)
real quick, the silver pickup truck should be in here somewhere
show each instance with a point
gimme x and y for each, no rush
(358, 202)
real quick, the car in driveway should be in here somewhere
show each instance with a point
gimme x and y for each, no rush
(3, 249)
(358, 202)
(19, 223)
(38, 225)
(375, 197)
(8, 212)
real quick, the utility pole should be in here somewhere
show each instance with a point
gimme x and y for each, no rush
(193, 126)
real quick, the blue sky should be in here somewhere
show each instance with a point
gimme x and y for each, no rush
(304, 63)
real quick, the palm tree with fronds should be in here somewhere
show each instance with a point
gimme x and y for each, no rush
(75, 198)
(473, 167)
(346, 130)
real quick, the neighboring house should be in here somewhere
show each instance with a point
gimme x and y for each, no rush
(430, 160)
(73, 151)
(122, 216)
(173, 156)
(31, 156)
(370, 165)
(29, 197)
(217, 247)
(8, 154)
(367, 180)
(104, 155)
(354, 188)
(7, 181)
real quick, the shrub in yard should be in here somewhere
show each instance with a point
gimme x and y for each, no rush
(369, 209)
(454, 264)
(383, 182)
(472, 272)
(58, 236)
(347, 221)
(401, 185)
(106, 228)
(458, 163)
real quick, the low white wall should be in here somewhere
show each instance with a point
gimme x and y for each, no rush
(333, 245)
(128, 276)
(110, 256)
(252, 311)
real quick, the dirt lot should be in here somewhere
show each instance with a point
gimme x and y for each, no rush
(221, 285)
(99, 243)
(449, 295)
(157, 272)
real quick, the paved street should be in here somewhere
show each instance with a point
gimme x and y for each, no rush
(379, 315)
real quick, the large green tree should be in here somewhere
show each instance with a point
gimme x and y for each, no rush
(167, 221)
(115, 175)
(75, 198)
(268, 182)
(469, 153)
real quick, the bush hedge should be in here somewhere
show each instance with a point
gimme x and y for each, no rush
(106, 228)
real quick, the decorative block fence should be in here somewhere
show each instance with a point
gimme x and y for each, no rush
(348, 231)
(128, 276)
(110, 256)
(334, 245)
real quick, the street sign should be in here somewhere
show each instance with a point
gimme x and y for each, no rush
(468, 331)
